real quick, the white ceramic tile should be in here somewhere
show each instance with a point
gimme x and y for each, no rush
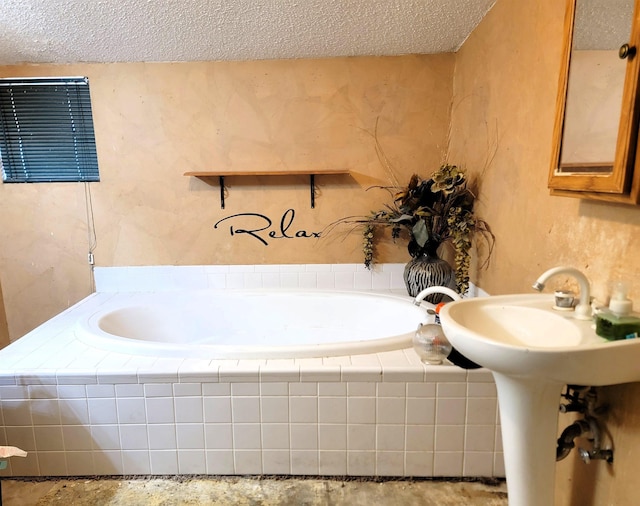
(419, 438)
(220, 462)
(158, 390)
(274, 389)
(304, 462)
(450, 411)
(308, 280)
(381, 280)
(421, 389)
(361, 463)
(76, 438)
(419, 463)
(452, 390)
(163, 462)
(22, 437)
(274, 409)
(80, 463)
(479, 438)
(361, 437)
(14, 392)
(71, 392)
(270, 280)
(332, 389)
(45, 411)
(362, 373)
(189, 410)
(251, 280)
(108, 462)
(332, 436)
(333, 463)
(391, 410)
(52, 463)
(217, 281)
(498, 465)
(217, 409)
(420, 410)
(275, 436)
(361, 410)
(245, 409)
(447, 463)
(449, 438)
(160, 410)
(246, 436)
(303, 409)
(42, 391)
(129, 390)
(49, 438)
(481, 411)
(162, 437)
(95, 391)
(187, 389)
(481, 390)
(478, 464)
(361, 389)
(389, 463)
(131, 410)
(325, 280)
(218, 436)
(304, 436)
(192, 462)
(190, 436)
(391, 389)
(362, 281)
(105, 437)
(102, 411)
(134, 437)
(390, 437)
(248, 461)
(276, 462)
(332, 410)
(308, 389)
(290, 280)
(216, 389)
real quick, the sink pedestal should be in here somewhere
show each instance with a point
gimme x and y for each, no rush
(529, 422)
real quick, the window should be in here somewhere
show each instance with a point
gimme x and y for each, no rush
(46, 130)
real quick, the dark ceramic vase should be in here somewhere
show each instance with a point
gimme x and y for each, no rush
(427, 270)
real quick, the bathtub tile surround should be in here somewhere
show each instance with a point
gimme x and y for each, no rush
(91, 412)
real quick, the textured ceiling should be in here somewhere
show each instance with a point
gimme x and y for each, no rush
(69, 31)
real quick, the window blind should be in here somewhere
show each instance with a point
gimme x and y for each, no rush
(47, 130)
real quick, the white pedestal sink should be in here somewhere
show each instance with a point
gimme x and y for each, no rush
(533, 351)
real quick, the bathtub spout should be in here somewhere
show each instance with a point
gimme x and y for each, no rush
(435, 289)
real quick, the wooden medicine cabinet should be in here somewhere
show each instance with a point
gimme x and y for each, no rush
(596, 130)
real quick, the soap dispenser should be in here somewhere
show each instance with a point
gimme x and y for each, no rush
(618, 321)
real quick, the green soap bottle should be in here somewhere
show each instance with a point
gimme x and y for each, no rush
(618, 322)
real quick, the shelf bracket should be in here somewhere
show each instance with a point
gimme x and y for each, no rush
(221, 180)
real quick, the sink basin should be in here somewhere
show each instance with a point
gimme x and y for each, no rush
(522, 335)
(533, 351)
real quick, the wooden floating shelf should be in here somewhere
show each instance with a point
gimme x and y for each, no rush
(207, 175)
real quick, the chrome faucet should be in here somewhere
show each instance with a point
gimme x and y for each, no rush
(435, 289)
(583, 308)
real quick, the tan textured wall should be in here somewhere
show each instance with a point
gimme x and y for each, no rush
(4, 329)
(156, 121)
(505, 87)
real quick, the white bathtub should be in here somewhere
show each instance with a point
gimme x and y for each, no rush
(239, 324)
(130, 410)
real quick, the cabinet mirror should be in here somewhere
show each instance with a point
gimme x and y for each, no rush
(596, 127)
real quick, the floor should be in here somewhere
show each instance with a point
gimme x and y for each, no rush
(238, 491)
